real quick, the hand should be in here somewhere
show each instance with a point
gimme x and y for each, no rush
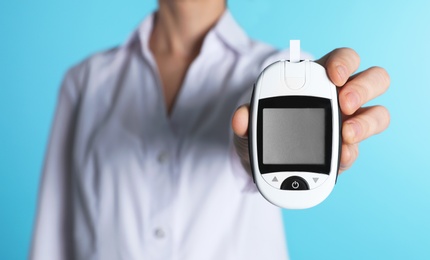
(359, 122)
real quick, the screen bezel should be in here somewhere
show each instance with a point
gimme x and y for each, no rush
(285, 102)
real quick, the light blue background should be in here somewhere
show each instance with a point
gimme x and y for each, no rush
(380, 209)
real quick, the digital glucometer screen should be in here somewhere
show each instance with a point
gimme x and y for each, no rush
(293, 136)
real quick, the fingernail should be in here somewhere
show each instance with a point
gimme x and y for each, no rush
(353, 131)
(341, 70)
(343, 165)
(346, 157)
(353, 100)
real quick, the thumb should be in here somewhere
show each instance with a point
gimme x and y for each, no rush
(239, 122)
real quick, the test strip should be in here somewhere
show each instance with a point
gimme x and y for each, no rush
(294, 50)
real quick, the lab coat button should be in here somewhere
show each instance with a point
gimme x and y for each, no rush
(159, 233)
(162, 157)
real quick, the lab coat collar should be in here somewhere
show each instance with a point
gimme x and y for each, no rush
(227, 30)
(231, 33)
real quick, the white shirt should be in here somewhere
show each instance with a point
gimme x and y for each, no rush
(123, 180)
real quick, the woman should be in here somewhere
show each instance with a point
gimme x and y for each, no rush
(141, 162)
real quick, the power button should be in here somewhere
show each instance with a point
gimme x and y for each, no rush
(295, 183)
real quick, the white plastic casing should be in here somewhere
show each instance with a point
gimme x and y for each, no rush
(305, 78)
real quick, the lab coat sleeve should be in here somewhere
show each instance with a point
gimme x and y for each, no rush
(52, 235)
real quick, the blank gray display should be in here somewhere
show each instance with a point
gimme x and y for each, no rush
(293, 135)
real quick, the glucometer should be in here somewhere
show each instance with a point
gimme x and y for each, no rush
(294, 132)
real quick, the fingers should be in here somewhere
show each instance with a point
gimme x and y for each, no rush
(348, 156)
(340, 64)
(360, 123)
(363, 87)
(365, 123)
(239, 121)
